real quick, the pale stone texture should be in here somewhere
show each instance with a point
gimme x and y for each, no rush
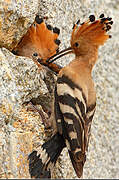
(20, 145)
(21, 81)
(20, 129)
(15, 18)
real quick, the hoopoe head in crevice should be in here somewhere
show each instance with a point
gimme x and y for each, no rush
(87, 36)
(41, 38)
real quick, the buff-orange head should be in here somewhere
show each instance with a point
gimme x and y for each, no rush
(91, 33)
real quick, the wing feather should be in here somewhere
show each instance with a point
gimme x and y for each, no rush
(75, 120)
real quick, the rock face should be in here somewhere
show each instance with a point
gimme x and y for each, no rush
(15, 18)
(21, 130)
(20, 82)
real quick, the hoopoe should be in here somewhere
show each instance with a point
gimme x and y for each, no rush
(74, 100)
(42, 39)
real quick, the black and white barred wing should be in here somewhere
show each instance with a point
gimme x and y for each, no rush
(89, 116)
(71, 108)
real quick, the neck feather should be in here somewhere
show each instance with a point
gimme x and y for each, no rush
(89, 59)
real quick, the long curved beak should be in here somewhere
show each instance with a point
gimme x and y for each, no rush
(59, 54)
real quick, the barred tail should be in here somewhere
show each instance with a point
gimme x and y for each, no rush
(42, 161)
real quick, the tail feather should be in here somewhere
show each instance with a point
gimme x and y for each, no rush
(41, 162)
(78, 163)
(34, 164)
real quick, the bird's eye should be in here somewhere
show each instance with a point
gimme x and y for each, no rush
(35, 54)
(76, 44)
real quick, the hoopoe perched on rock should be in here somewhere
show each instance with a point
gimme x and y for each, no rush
(41, 40)
(74, 99)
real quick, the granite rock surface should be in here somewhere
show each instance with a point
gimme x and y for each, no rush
(20, 81)
(15, 18)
